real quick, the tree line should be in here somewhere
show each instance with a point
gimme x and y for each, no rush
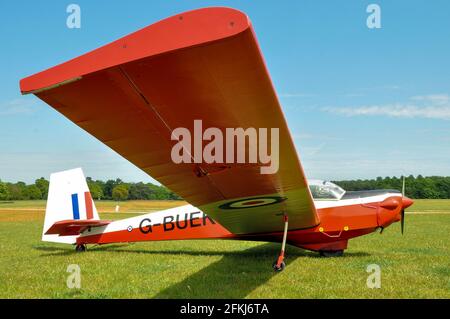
(100, 190)
(431, 187)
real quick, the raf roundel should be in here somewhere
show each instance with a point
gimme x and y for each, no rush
(252, 202)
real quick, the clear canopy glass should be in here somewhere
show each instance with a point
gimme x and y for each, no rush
(325, 190)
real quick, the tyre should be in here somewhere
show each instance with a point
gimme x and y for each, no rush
(279, 268)
(80, 248)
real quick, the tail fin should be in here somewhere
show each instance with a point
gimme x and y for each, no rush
(68, 199)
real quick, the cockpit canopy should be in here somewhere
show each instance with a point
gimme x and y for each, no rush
(323, 190)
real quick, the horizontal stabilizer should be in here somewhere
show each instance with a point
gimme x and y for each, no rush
(74, 227)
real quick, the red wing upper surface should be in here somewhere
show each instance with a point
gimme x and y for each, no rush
(199, 65)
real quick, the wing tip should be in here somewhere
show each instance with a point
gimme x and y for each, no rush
(187, 29)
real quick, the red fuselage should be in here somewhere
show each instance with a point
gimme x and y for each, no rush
(356, 214)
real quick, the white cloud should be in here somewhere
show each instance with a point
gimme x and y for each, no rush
(17, 107)
(316, 137)
(438, 99)
(302, 136)
(293, 95)
(354, 95)
(384, 87)
(434, 106)
(311, 151)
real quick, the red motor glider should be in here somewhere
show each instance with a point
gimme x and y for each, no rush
(200, 65)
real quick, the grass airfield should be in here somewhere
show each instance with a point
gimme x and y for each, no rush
(416, 265)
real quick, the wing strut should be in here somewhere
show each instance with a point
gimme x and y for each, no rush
(279, 264)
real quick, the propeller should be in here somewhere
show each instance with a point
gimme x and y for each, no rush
(402, 221)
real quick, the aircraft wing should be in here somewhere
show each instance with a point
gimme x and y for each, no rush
(200, 65)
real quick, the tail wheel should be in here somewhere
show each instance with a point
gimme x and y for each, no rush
(277, 267)
(80, 248)
(331, 253)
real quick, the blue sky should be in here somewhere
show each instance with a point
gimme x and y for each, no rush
(360, 102)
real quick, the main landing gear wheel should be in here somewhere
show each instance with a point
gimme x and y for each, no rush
(331, 253)
(277, 267)
(80, 248)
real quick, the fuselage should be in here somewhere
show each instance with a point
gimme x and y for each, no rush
(353, 215)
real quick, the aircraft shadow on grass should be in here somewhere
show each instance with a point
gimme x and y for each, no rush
(235, 275)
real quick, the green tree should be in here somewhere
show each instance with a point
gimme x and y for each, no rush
(33, 192)
(42, 184)
(120, 192)
(18, 191)
(140, 191)
(4, 191)
(95, 189)
(109, 186)
(415, 187)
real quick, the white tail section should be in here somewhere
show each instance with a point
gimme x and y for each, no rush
(68, 199)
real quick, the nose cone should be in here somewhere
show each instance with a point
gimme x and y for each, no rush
(407, 202)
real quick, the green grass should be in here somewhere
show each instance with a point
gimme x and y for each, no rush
(427, 205)
(104, 206)
(413, 266)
